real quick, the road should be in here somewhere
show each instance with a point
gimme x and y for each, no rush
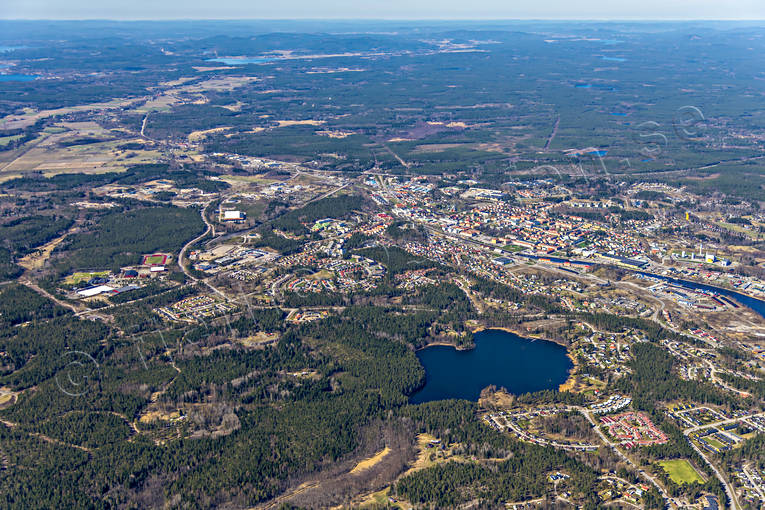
(728, 489)
(552, 134)
(757, 487)
(182, 254)
(398, 158)
(721, 422)
(626, 459)
(713, 372)
(143, 125)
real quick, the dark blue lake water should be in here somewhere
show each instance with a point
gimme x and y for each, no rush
(520, 365)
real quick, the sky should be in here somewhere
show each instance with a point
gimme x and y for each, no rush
(384, 9)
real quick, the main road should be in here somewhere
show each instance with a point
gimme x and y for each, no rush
(181, 255)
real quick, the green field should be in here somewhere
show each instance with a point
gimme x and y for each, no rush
(78, 277)
(153, 260)
(5, 140)
(681, 471)
(513, 248)
(714, 442)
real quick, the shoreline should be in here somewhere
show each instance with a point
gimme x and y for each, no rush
(442, 343)
(570, 381)
(516, 332)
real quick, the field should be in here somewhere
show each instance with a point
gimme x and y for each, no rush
(37, 259)
(5, 140)
(714, 442)
(371, 461)
(158, 259)
(681, 471)
(52, 154)
(79, 277)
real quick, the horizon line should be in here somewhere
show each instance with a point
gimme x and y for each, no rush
(456, 19)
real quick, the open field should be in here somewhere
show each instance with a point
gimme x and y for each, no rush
(370, 462)
(76, 278)
(5, 140)
(681, 471)
(32, 116)
(156, 259)
(51, 158)
(287, 123)
(198, 135)
(259, 339)
(151, 416)
(218, 84)
(37, 259)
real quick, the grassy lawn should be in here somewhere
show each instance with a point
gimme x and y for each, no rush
(681, 471)
(714, 442)
(513, 248)
(78, 277)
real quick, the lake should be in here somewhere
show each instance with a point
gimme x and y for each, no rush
(504, 359)
(18, 77)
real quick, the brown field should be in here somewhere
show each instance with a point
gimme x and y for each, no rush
(287, 123)
(51, 159)
(219, 84)
(151, 416)
(438, 147)
(175, 83)
(32, 116)
(161, 103)
(259, 339)
(335, 134)
(37, 259)
(370, 462)
(198, 135)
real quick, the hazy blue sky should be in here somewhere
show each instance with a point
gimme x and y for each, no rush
(384, 9)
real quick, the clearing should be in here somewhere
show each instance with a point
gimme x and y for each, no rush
(681, 471)
(37, 258)
(371, 461)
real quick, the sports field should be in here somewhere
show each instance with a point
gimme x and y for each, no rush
(79, 277)
(681, 471)
(157, 259)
